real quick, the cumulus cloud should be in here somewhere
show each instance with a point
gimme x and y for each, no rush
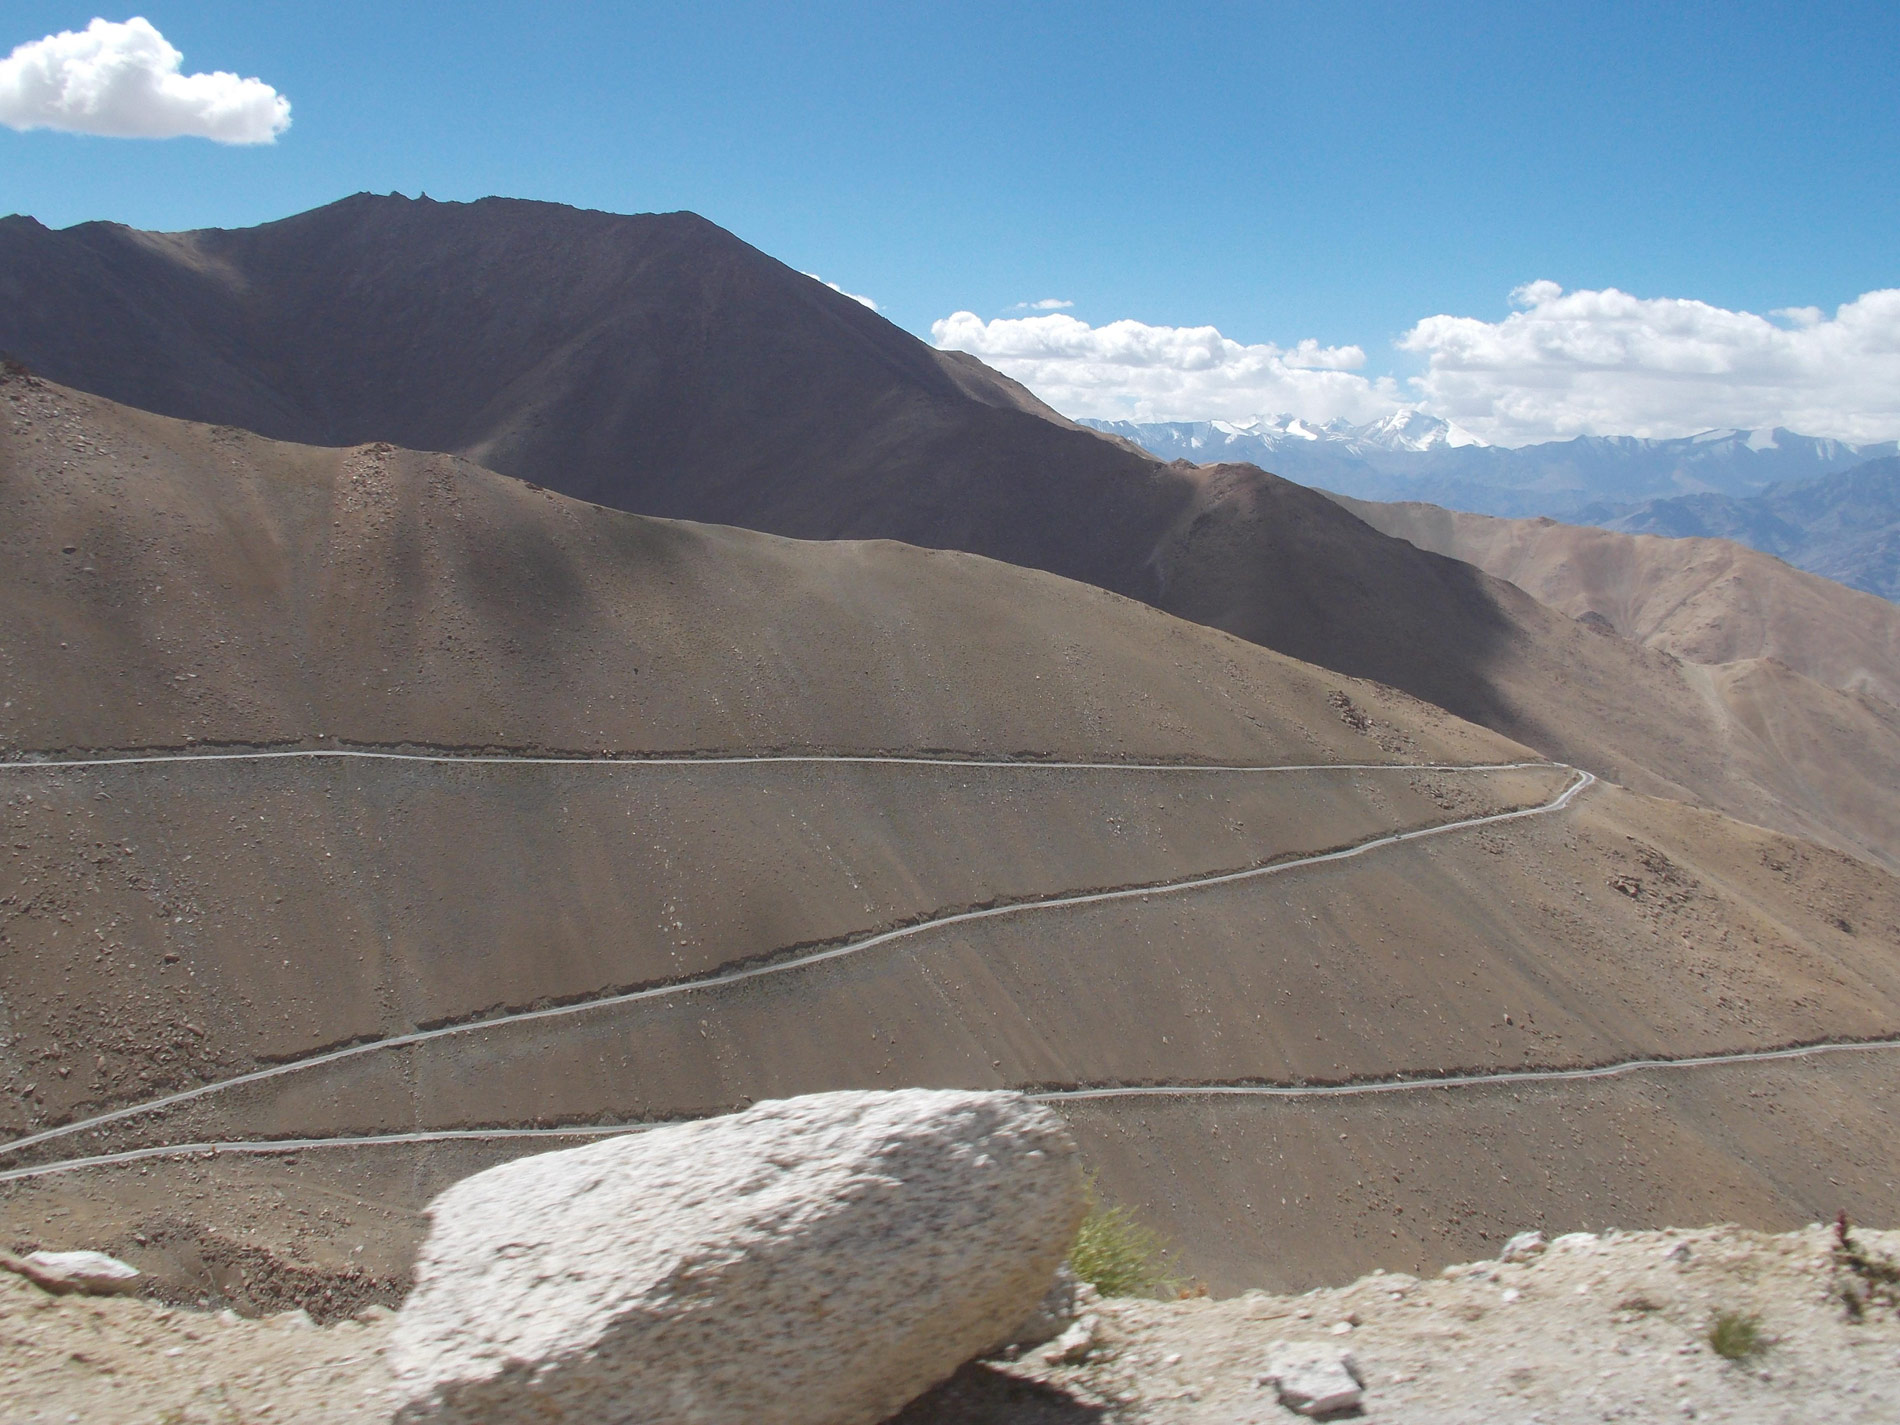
(1128, 370)
(1607, 363)
(1047, 304)
(124, 81)
(861, 301)
(1563, 364)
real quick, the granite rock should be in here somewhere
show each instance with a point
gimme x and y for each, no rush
(824, 1258)
(1313, 1380)
(93, 1273)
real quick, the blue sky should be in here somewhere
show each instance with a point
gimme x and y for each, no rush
(1282, 172)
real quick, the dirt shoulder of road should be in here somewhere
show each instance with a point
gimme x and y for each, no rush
(1610, 1327)
(68, 1358)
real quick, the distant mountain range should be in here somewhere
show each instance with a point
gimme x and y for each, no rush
(1411, 456)
(1844, 526)
(1206, 441)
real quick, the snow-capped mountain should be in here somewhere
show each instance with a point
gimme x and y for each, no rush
(1413, 456)
(1242, 440)
(1414, 430)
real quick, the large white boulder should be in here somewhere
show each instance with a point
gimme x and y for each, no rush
(818, 1259)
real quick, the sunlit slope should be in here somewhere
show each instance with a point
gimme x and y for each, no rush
(1704, 600)
(222, 590)
(1552, 942)
(1626, 928)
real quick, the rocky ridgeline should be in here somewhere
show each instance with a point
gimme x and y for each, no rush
(827, 1259)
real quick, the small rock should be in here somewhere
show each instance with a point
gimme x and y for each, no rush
(1074, 1344)
(1313, 1380)
(1523, 1247)
(1575, 1242)
(93, 1273)
(1678, 1253)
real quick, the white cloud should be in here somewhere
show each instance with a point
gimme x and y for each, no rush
(123, 81)
(1047, 304)
(1607, 363)
(861, 301)
(1563, 364)
(1129, 370)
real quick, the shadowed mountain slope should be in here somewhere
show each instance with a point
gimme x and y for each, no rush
(169, 924)
(653, 363)
(659, 365)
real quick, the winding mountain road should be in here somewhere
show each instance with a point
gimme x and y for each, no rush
(723, 759)
(1578, 783)
(1439, 1083)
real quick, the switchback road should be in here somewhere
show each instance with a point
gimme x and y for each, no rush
(1422, 1084)
(1578, 783)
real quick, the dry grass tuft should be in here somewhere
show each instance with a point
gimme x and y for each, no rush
(1118, 1255)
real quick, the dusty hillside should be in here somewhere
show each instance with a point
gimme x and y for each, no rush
(1704, 600)
(657, 364)
(170, 582)
(170, 924)
(1638, 714)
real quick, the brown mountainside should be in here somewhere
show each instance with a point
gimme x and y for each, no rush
(170, 924)
(1704, 600)
(659, 365)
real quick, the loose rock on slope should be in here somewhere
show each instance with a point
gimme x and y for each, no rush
(823, 1258)
(91, 1272)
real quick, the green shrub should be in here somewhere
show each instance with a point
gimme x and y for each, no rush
(1119, 1256)
(1736, 1337)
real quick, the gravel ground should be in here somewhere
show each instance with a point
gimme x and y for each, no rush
(102, 1362)
(1597, 1328)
